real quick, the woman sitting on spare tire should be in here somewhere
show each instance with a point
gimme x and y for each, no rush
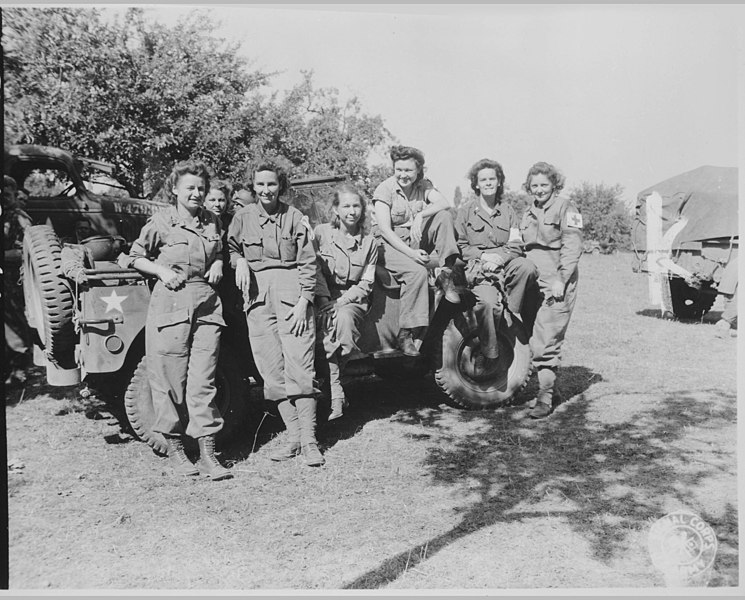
(552, 232)
(489, 239)
(347, 257)
(413, 220)
(275, 267)
(182, 246)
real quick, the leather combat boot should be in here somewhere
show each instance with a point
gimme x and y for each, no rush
(291, 449)
(306, 411)
(337, 407)
(181, 463)
(406, 343)
(338, 398)
(543, 405)
(207, 463)
(452, 282)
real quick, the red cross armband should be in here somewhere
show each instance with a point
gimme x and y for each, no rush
(574, 219)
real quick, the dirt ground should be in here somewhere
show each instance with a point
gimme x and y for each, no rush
(415, 494)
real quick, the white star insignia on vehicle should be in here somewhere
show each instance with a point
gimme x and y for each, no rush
(114, 302)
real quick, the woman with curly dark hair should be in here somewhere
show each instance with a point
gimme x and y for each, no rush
(488, 232)
(182, 247)
(275, 267)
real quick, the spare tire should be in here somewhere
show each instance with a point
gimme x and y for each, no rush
(49, 300)
(232, 400)
(459, 375)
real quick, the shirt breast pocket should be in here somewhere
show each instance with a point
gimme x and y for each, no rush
(328, 262)
(477, 234)
(252, 251)
(288, 248)
(211, 243)
(551, 229)
(400, 212)
(176, 250)
(356, 269)
(500, 235)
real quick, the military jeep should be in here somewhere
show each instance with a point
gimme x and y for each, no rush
(88, 313)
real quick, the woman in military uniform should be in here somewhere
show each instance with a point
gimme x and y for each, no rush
(347, 257)
(413, 220)
(275, 267)
(182, 247)
(552, 232)
(489, 239)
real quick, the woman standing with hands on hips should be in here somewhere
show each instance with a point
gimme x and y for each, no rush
(275, 267)
(347, 257)
(413, 220)
(182, 246)
(552, 232)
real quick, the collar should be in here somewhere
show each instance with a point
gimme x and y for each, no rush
(176, 219)
(548, 204)
(345, 240)
(265, 217)
(496, 211)
(414, 189)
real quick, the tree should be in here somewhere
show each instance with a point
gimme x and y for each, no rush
(605, 218)
(457, 197)
(518, 199)
(142, 96)
(137, 94)
(318, 134)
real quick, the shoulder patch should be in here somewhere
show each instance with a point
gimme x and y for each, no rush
(574, 219)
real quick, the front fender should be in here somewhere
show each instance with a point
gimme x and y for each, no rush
(111, 318)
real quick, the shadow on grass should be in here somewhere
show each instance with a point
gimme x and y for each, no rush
(619, 468)
(370, 398)
(36, 385)
(655, 313)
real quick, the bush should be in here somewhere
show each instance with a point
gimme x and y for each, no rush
(605, 217)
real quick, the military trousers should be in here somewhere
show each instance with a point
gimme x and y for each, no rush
(488, 311)
(182, 343)
(344, 333)
(438, 234)
(551, 325)
(284, 360)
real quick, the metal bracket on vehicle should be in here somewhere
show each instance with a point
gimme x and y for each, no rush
(108, 321)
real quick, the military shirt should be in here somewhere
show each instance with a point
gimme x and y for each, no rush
(479, 231)
(189, 246)
(403, 208)
(552, 235)
(347, 263)
(277, 241)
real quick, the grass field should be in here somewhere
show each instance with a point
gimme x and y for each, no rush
(415, 494)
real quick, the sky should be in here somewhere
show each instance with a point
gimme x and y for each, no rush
(620, 94)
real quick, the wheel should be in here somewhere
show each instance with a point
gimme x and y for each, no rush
(464, 380)
(232, 401)
(688, 302)
(49, 300)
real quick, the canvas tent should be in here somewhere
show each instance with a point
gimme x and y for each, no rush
(706, 196)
